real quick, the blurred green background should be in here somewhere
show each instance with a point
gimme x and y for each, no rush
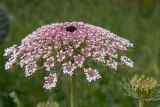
(136, 20)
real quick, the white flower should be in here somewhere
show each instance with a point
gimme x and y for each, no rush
(79, 60)
(69, 51)
(10, 50)
(92, 74)
(50, 81)
(68, 68)
(99, 55)
(112, 64)
(61, 56)
(49, 63)
(47, 51)
(127, 61)
(26, 60)
(11, 62)
(30, 69)
(9, 65)
(86, 52)
(111, 52)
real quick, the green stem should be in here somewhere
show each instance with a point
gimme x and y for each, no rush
(141, 103)
(72, 92)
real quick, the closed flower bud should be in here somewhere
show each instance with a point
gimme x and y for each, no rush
(142, 87)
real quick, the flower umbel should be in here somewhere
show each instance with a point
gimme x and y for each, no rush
(69, 45)
(50, 81)
(91, 74)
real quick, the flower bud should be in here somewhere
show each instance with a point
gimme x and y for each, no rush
(142, 87)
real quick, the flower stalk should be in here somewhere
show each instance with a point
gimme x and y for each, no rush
(72, 85)
(141, 103)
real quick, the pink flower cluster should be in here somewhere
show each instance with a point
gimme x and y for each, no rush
(67, 46)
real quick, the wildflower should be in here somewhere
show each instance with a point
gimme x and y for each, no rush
(86, 52)
(60, 56)
(67, 46)
(10, 64)
(47, 51)
(92, 74)
(126, 61)
(30, 69)
(49, 63)
(112, 64)
(69, 51)
(79, 60)
(68, 68)
(50, 81)
(26, 59)
(99, 55)
(10, 50)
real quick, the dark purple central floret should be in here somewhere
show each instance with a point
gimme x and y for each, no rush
(71, 29)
